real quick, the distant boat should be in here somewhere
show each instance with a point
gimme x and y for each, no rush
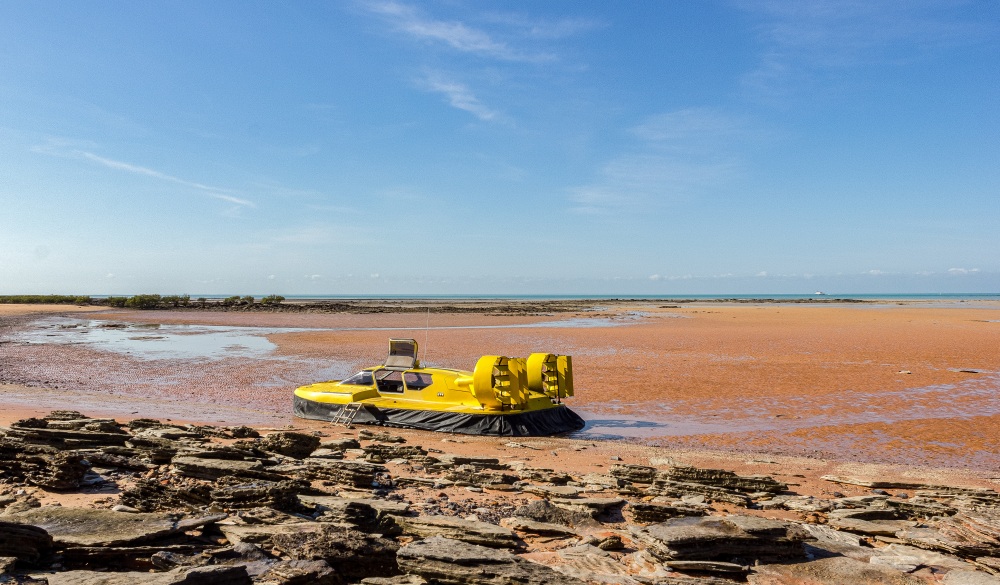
(820, 293)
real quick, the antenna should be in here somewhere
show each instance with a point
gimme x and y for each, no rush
(427, 333)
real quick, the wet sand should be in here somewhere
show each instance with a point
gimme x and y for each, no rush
(912, 384)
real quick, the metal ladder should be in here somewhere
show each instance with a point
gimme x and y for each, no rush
(346, 414)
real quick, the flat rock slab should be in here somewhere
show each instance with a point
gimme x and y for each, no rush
(832, 571)
(198, 576)
(966, 577)
(874, 483)
(870, 527)
(212, 469)
(459, 529)
(336, 503)
(649, 512)
(723, 539)
(529, 526)
(558, 491)
(446, 459)
(721, 479)
(451, 562)
(593, 506)
(260, 534)
(95, 527)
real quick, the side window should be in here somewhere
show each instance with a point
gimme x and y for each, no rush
(389, 381)
(417, 380)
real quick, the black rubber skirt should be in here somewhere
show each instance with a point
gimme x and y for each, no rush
(537, 423)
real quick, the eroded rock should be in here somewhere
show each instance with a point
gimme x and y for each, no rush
(460, 529)
(24, 542)
(451, 562)
(351, 553)
(831, 571)
(96, 527)
(289, 444)
(740, 539)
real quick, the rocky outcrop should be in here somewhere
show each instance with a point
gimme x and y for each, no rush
(633, 473)
(719, 478)
(450, 562)
(281, 495)
(289, 444)
(359, 474)
(195, 507)
(351, 553)
(196, 576)
(652, 513)
(368, 515)
(24, 542)
(213, 469)
(87, 527)
(831, 571)
(43, 466)
(460, 529)
(545, 511)
(739, 539)
(150, 495)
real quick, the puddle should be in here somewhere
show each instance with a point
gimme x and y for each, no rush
(214, 342)
(156, 341)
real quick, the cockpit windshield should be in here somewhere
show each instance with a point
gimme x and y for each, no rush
(363, 378)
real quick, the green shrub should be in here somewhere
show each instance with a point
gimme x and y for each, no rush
(230, 301)
(82, 300)
(176, 300)
(248, 300)
(116, 301)
(143, 302)
(40, 299)
(272, 300)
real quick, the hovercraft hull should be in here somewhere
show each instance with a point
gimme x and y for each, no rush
(536, 423)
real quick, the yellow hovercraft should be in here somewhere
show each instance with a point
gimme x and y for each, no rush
(503, 396)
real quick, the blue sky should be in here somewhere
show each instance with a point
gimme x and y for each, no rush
(390, 147)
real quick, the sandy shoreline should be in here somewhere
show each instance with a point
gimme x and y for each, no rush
(910, 384)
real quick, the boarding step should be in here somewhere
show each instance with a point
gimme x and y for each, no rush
(346, 414)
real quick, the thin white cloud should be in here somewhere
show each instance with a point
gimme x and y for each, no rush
(634, 180)
(216, 192)
(809, 36)
(459, 96)
(539, 28)
(456, 35)
(677, 155)
(962, 271)
(695, 130)
(56, 147)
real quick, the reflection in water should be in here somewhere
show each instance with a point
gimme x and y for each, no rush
(169, 341)
(177, 341)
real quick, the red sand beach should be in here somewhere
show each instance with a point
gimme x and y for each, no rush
(912, 383)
